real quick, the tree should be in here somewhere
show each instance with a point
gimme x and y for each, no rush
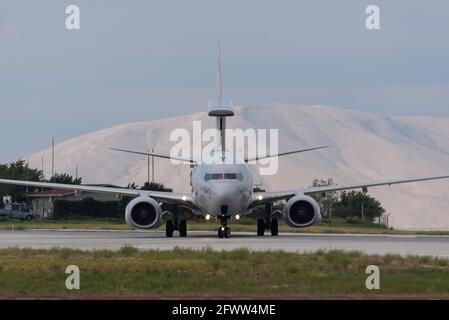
(353, 203)
(65, 179)
(132, 186)
(326, 200)
(18, 170)
(154, 186)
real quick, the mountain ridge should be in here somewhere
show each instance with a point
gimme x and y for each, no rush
(364, 147)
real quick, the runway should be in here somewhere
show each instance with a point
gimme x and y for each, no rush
(90, 240)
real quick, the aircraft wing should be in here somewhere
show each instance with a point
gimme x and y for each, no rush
(260, 198)
(154, 154)
(283, 154)
(185, 199)
(364, 186)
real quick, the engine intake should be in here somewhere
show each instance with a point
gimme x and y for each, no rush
(301, 211)
(143, 213)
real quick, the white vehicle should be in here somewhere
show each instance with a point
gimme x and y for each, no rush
(220, 190)
(16, 211)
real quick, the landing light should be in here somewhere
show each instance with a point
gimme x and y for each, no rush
(260, 198)
(207, 217)
(184, 198)
(237, 217)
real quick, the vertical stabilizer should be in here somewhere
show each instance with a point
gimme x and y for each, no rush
(219, 107)
(218, 82)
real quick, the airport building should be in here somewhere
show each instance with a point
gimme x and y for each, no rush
(42, 201)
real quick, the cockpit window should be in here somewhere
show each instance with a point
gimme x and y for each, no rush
(223, 176)
(230, 176)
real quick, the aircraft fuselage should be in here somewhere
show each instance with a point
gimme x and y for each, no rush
(222, 189)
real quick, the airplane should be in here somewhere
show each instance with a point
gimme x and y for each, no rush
(220, 189)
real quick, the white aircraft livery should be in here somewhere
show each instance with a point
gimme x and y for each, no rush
(222, 188)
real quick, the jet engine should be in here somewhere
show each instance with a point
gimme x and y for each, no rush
(301, 211)
(143, 213)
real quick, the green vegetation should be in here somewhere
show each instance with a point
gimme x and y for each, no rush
(354, 206)
(204, 273)
(89, 208)
(80, 223)
(65, 179)
(18, 170)
(155, 186)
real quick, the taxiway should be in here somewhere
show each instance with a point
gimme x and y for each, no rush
(90, 240)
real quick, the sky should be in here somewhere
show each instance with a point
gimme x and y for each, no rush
(143, 60)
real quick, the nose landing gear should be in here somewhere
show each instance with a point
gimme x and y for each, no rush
(224, 231)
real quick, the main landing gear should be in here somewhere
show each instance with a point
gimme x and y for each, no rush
(224, 231)
(175, 225)
(268, 223)
(171, 226)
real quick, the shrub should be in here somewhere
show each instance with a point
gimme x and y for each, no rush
(67, 209)
(353, 220)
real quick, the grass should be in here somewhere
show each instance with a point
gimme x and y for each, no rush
(129, 271)
(98, 224)
(248, 225)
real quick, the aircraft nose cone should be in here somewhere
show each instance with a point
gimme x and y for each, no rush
(224, 193)
(225, 199)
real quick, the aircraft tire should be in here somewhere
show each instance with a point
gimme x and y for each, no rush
(227, 232)
(260, 227)
(169, 228)
(274, 227)
(183, 228)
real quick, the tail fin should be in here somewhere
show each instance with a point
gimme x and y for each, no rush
(219, 107)
(218, 83)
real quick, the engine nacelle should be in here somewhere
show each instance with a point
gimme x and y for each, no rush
(301, 211)
(143, 213)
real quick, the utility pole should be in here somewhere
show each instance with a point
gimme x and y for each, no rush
(148, 168)
(76, 172)
(388, 220)
(27, 169)
(53, 159)
(363, 203)
(152, 166)
(42, 168)
(42, 189)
